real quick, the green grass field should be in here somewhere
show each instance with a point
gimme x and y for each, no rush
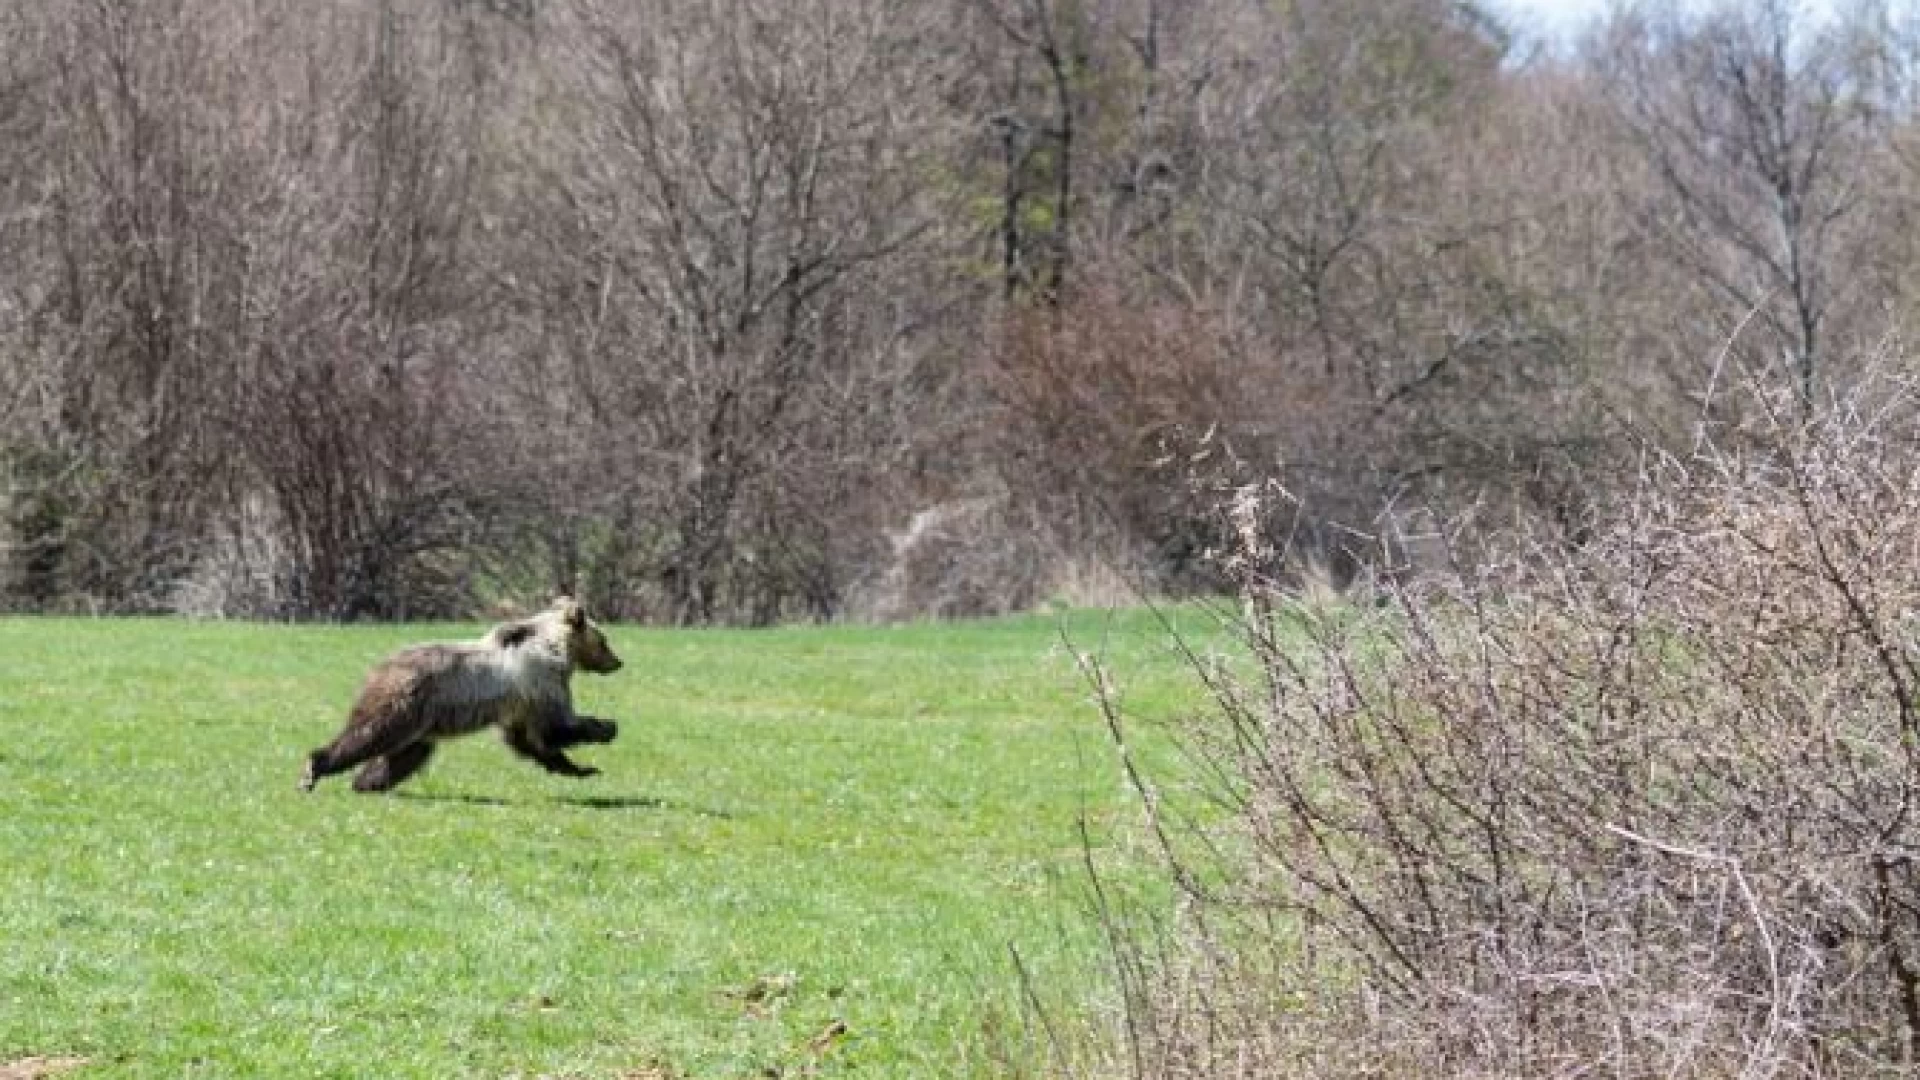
(798, 829)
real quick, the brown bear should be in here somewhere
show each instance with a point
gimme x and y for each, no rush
(515, 678)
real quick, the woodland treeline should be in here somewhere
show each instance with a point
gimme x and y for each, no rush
(748, 310)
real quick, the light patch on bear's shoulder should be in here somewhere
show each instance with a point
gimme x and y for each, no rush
(535, 668)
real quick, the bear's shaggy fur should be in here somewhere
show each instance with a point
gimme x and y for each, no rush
(515, 678)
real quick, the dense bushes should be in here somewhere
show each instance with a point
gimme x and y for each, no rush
(1642, 807)
(404, 307)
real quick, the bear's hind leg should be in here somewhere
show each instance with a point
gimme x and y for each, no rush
(319, 766)
(362, 741)
(388, 771)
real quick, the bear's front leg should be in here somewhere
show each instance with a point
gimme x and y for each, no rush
(523, 742)
(581, 729)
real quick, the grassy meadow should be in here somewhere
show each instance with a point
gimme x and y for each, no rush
(809, 854)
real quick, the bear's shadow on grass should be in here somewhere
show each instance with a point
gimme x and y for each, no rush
(613, 802)
(584, 802)
(451, 797)
(637, 802)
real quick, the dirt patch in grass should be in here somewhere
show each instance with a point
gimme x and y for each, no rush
(35, 1068)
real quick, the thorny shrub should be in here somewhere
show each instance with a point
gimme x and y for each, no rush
(1645, 807)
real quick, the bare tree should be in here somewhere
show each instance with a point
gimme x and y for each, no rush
(745, 181)
(1756, 125)
(126, 269)
(360, 369)
(246, 269)
(1038, 132)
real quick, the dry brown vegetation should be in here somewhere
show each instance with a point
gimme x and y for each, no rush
(1642, 807)
(707, 310)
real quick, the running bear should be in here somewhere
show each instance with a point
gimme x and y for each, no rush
(515, 678)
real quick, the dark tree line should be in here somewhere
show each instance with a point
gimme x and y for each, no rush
(743, 310)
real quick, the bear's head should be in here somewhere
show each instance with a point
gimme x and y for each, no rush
(586, 646)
